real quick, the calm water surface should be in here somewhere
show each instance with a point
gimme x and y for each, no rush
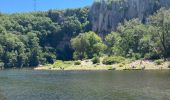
(84, 85)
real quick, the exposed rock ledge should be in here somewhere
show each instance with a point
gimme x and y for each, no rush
(106, 16)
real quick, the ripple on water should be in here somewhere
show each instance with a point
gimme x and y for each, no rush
(2, 97)
(84, 85)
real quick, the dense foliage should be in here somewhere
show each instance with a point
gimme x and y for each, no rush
(137, 40)
(112, 60)
(87, 45)
(96, 60)
(30, 39)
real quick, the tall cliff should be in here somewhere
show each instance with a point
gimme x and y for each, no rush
(106, 14)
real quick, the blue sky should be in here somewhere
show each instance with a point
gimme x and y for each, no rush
(12, 6)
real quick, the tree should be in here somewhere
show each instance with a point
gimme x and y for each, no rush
(113, 40)
(11, 50)
(30, 39)
(1, 51)
(132, 33)
(35, 49)
(86, 45)
(160, 22)
(72, 26)
(21, 54)
(11, 59)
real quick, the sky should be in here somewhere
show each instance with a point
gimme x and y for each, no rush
(13, 6)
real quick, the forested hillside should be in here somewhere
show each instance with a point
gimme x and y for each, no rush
(31, 39)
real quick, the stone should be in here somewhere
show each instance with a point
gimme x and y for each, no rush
(105, 15)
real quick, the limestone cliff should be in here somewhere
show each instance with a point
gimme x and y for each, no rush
(106, 14)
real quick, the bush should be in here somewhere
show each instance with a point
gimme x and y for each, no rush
(1, 64)
(57, 63)
(136, 56)
(113, 60)
(96, 60)
(68, 62)
(147, 56)
(77, 63)
(48, 65)
(121, 65)
(111, 68)
(159, 62)
(169, 65)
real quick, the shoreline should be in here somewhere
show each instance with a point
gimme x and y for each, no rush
(104, 69)
(87, 65)
(38, 69)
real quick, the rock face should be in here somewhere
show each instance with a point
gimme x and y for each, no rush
(106, 14)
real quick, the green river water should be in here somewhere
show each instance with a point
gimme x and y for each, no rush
(84, 85)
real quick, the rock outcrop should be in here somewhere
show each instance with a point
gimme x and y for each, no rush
(106, 14)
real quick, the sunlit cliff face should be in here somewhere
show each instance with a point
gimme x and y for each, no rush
(106, 14)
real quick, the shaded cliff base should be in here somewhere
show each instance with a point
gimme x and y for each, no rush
(134, 65)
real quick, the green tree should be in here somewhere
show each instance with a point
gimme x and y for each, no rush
(1, 51)
(21, 54)
(86, 45)
(160, 31)
(132, 33)
(35, 52)
(113, 39)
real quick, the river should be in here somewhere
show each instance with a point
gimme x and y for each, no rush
(84, 85)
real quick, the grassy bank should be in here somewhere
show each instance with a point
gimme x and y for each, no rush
(126, 64)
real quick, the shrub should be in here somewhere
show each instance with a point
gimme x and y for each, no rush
(113, 60)
(159, 62)
(147, 56)
(111, 68)
(121, 65)
(96, 60)
(57, 63)
(1, 64)
(77, 63)
(68, 62)
(169, 65)
(136, 56)
(48, 65)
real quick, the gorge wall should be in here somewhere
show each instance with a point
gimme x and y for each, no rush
(106, 14)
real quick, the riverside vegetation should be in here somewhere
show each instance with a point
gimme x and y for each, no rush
(64, 39)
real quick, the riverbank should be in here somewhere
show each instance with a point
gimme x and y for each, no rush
(88, 65)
